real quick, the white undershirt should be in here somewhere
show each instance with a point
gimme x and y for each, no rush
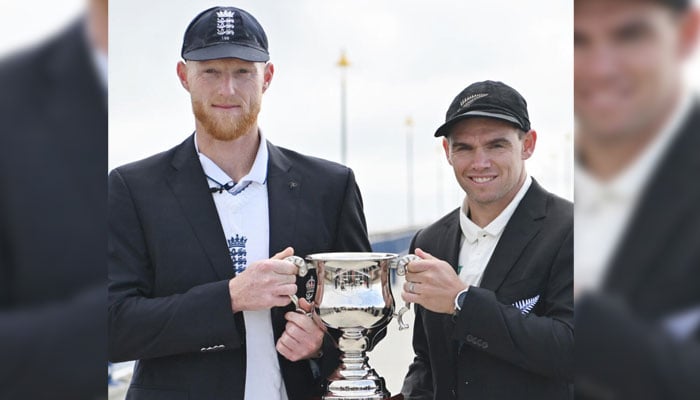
(243, 212)
(479, 243)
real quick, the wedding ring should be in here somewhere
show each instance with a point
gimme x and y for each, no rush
(411, 286)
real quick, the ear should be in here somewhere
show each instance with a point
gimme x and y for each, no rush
(446, 147)
(267, 76)
(182, 75)
(529, 141)
(689, 28)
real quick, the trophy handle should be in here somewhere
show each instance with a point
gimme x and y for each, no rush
(303, 269)
(401, 268)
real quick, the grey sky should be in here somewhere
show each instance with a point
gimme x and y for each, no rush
(409, 58)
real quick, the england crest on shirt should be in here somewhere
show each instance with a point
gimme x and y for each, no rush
(237, 251)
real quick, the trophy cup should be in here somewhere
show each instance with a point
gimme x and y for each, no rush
(353, 295)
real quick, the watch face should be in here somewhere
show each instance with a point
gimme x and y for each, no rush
(459, 300)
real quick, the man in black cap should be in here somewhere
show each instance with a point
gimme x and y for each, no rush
(637, 211)
(494, 288)
(193, 294)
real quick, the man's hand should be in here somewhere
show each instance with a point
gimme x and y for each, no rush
(432, 283)
(303, 335)
(264, 284)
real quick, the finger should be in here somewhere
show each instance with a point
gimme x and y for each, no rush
(285, 350)
(411, 287)
(289, 251)
(424, 255)
(410, 298)
(300, 325)
(283, 267)
(305, 305)
(285, 290)
(416, 267)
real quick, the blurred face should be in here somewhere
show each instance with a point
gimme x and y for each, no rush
(488, 159)
(226, 94)
(627, 65)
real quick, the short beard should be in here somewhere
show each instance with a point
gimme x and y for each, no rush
(226, 128)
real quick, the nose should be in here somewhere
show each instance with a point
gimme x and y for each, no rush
(481, 160)
(597, 64)
(228, 86)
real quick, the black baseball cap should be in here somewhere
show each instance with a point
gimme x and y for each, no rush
(225, 32)
(490, 99)
(679, 5)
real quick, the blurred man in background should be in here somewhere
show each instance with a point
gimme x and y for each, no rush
(53, 158)
(637, 213)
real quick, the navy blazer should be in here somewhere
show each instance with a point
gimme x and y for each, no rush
(169, 268)
(489, 349)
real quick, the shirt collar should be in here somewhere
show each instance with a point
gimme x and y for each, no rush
(471, 231)
(257, 173)
(628, 184)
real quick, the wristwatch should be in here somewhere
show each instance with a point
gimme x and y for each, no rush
(459, 299)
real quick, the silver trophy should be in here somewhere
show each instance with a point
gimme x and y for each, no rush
(353, 295)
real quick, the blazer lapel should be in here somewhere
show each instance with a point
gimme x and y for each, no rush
(660, 212)
(522, 227)
(192, 192)
(448, 249)
(283, 189)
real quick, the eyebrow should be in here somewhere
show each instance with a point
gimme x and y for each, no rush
(633, 28)
(491, 142)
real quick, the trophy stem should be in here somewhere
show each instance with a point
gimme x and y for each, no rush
(355, 379)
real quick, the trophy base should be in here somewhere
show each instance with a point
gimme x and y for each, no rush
(397, 397)
(370, 388)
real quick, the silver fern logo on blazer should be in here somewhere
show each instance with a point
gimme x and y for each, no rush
(526, 305)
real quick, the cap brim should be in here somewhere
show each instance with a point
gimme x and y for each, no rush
(443, 130)
(227, 50)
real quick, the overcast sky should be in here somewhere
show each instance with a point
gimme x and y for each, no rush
(409, 58)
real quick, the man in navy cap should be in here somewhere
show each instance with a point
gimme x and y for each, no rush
(494, 286)
(193, 292)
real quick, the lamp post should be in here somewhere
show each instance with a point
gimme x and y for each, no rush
(343, 63)
(409, 169)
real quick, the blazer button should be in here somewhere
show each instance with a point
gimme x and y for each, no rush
(485, 345)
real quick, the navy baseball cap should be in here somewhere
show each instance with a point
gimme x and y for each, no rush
(225, 32)
(488, 99)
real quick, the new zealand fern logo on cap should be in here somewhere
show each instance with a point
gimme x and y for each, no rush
(225, 23)
(467, 101)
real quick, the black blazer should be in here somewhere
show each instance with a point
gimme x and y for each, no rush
(489, 350)
(623, 351)
(169, 267)
(53, 222)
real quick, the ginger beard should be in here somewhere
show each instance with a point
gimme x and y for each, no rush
(224, 126)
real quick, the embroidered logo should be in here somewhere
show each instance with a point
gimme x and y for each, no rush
(467, 101)
(526, 305)
(224, 23)
(238, 253)
(310, 289)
